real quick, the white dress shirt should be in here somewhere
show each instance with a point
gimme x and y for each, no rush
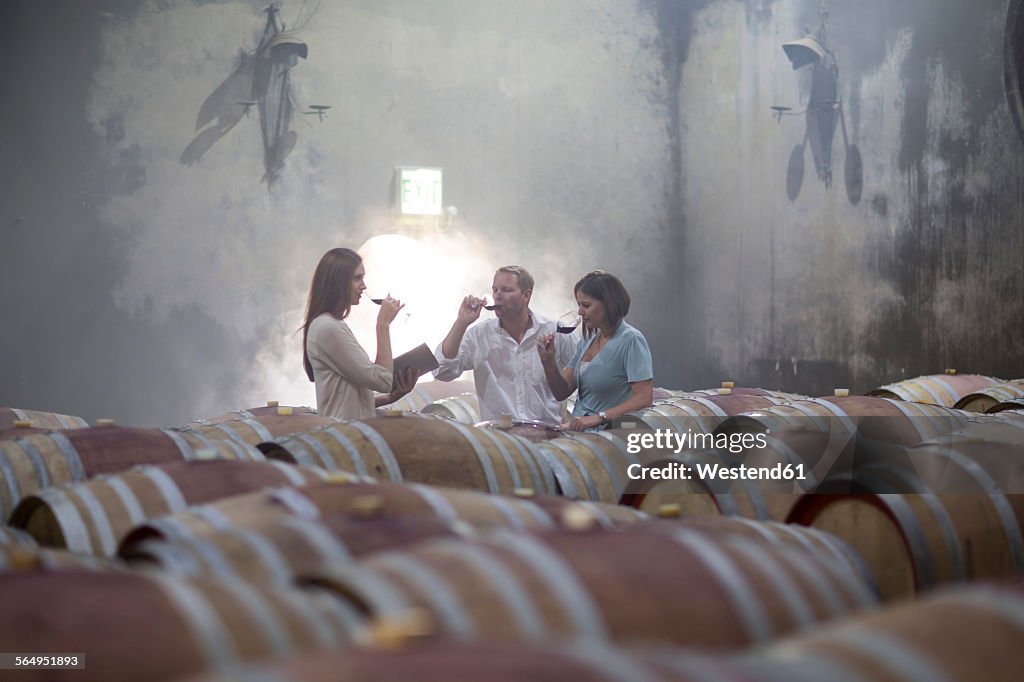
(509, 376)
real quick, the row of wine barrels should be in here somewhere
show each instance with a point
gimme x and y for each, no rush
(936, 389)
(11, 416)
(92, 517)
(591, 466)
(929, 514)
(147, 626)
(271, 409)
(399, 656)
(426, 392)
(532, 430)
(433, 451)
(464, 408)
(395, 501)
(881, 419)
(37, 461)
(260, 424)
(283, 550)
(728, 388)
(985, 399)
(781, 535)
(658, 393)
(960, 636)
(28, 558)
(1001, 429)
(608, 585)
(696, 412)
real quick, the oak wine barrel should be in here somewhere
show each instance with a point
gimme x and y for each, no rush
(432, 451)
(256, 425)
(929, 515)
(10, 416)
(148, 626)
(606, 585)
(936, 389)
(93, 516)
(462, 408)
(983, 400)
(37, 461)
(451, 506)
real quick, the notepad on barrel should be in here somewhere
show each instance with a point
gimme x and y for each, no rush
(419, 358)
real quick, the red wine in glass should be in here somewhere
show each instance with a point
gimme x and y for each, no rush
(379, 301)
(567, 323)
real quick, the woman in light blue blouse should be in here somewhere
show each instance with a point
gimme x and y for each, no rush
(612, 367)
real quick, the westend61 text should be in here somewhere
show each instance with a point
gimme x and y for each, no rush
(677, 471)
(665, 439)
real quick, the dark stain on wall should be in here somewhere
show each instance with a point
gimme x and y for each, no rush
(681, 321)
(69, 348)
(950, 235)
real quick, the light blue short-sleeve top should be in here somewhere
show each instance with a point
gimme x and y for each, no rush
(625, 359)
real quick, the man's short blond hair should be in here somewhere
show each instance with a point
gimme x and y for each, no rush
(523, 278)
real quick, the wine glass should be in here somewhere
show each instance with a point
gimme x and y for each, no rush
(379, 301)
(485, 304)
(567, 323)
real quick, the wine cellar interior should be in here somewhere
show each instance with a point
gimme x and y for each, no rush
(817, 209)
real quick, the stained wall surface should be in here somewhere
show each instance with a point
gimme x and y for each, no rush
(630, 135)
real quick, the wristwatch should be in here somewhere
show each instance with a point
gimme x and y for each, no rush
(604, 417)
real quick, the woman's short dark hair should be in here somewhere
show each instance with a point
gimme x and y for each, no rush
(606, 288)
(330, 292)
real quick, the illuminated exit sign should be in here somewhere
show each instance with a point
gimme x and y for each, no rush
(419, 190)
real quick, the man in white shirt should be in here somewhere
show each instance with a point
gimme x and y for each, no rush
(502, 351)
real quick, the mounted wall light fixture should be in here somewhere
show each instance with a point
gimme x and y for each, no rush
(824, 109)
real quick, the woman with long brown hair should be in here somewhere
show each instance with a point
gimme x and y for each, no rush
(345, 377)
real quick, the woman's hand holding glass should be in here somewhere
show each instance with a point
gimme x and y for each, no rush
(389, 309)
(546, 348)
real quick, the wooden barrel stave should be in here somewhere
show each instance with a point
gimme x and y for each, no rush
(93, 516)
(463, 408)
(9, 416)
(872, 418)
(426, 392)
(983, 400)
(957, 635)
(34, 462)
(604, 585)
(395, 658)
(698, 413)
(279, 551)
(937, 389)
(428, 451)
(261, 424)
(154, 627)
(935, 514)
(456, 508)
(28, 558)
